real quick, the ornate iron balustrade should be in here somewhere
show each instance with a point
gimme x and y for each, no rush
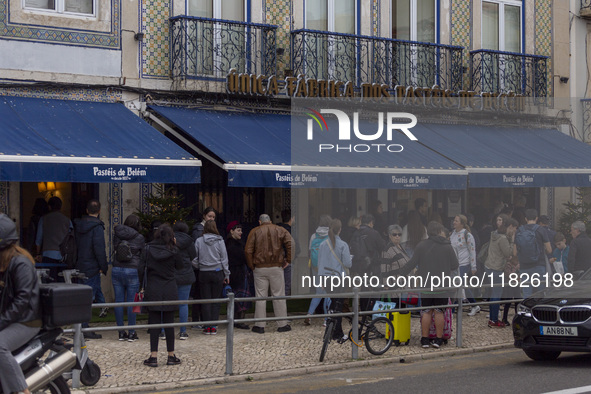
(585, 10)
(363, 59)
(504, 72)
(204, 47)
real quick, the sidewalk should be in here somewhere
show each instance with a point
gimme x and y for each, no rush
(203, 356)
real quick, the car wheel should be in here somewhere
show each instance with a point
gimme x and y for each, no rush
(540, 355)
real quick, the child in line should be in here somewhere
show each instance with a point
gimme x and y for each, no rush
(561, 252)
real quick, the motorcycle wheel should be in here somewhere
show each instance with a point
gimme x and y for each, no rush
(90, 374)
(57, 386)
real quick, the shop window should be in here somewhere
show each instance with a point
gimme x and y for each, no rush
(218, 46)
(74, 7)
(334, 55)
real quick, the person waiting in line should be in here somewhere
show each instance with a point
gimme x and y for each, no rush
(560, 253)
(20, 312)
(413, 233)
(266, 257)
(287, 220)
(185, 277)
(433, 256)
(159, 264)
(319, 236)
(511, 267)
(500, 250)
(214, 272)
(53, 228)
(40, 208)
(394, 257)
(463, 243)
(92, 255)
(334, 259)
(126, 281)
(240, 272)
(209, 213)
(579, 255)
(352, 225)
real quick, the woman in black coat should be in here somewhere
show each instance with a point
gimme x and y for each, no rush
(157, 271)
(239, 270)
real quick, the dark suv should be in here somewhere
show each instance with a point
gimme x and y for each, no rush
(555, 320)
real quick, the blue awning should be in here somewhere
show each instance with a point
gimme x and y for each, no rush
(76, 141)
(511, 156)
(260, 150)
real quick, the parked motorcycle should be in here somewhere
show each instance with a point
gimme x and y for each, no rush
(45, 375)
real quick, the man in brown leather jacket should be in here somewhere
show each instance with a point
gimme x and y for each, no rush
(265, 256)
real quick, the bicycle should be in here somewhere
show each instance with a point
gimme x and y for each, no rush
(378, 334)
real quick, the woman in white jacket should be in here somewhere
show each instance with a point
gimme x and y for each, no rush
(334, 259)
(465, 248)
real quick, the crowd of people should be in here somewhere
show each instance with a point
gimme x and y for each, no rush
(174, 262)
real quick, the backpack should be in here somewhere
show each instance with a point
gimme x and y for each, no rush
(481, 257)
(361, 259)
(68, 249)
(123, 252)
(314, 246)
(528, 250)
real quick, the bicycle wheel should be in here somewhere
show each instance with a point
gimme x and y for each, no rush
(379, 336)
(327, 337)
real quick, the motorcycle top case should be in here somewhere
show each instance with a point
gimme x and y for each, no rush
(65, 303)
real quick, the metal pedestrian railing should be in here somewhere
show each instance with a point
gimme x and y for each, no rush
(356, 295)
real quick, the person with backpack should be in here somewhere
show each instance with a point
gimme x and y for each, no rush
(531, 246)
(129, 244)
(465, 247)
(319, 236)
(92, 255)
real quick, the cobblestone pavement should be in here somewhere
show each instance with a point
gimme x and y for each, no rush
(203, 356)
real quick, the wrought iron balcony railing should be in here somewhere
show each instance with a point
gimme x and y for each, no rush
(364, 59)
(504, 72)
(204, 47)
(585, 11)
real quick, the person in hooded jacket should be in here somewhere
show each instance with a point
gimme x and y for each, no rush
(20, 312)
(500, 250)
(126, 281)
(185, 277)
(157, 271)
(433, 256)
(196, 309)
(92, 255)
(239, 269)
(214, 273)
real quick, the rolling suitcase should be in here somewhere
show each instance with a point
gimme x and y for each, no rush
(401, 324)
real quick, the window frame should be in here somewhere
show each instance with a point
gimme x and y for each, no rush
(217, 9)
(59, 10)
(501, 26)
(330, 23)
(413, 20)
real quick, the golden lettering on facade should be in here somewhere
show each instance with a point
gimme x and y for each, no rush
(435, 96)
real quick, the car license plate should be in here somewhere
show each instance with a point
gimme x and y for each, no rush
(560, 331)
